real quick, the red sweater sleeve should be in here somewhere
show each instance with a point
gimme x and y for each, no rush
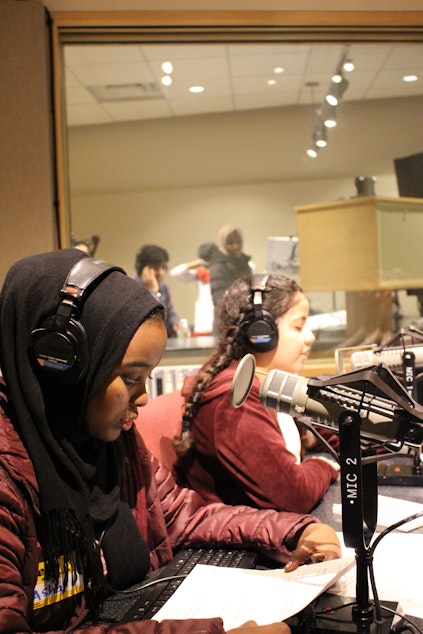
(245, 447)
(190, 521)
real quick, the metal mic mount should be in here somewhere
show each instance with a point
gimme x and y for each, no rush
(403, 354)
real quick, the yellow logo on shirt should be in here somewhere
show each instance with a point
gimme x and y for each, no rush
(45, 591)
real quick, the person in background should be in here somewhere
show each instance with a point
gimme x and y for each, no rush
(85, 509)
(251, 455)
(151, 265)
(198, 271)
(227, 264)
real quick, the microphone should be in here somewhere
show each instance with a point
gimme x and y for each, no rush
(291, 394)
(324, 400)
(391, 357)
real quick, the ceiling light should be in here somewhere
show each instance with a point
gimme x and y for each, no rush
(196, 89)
(167, 67)
(330, 121)
(336, 91)
(329, 115)
(321, 143)
(319, 136)
(409, 78)
(166, 80)
(271, 82)
(336, 78)
(332, 99)
(348, 65)
(278, 70)
(312, 152)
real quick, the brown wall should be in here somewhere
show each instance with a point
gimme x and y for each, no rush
(26, 175)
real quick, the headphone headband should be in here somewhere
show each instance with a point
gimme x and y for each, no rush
(83, 275)
(258, 327)
(59, 346)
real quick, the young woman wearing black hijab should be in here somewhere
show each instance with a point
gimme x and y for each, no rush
(84, 508)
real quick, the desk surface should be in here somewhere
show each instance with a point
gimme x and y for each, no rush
(324, 511)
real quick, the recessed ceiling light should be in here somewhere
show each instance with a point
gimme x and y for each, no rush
(409, 78)
(278, 70)
(196, 89)
(166, 80)
(167, 67)
(271, 82)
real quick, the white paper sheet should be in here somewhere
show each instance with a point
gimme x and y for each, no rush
(398, 566)
(237, 595)
(392, 510)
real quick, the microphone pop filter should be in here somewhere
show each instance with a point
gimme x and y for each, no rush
(243, 380)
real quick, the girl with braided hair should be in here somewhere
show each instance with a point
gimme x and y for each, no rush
(251, 455)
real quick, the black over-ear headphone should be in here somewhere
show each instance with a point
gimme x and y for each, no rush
(258, 327)
(59, 344)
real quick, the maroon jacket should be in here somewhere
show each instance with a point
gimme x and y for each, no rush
(167, 515)
(240, 455)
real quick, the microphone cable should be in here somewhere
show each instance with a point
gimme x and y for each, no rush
(306, 620)
(377, 604)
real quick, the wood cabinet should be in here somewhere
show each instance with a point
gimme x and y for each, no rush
(361, 244)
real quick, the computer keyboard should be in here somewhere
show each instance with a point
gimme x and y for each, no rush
(144, 600)
(153, 597)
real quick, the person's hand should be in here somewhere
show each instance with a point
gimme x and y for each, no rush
(318, 542)
(251, 627)
(149, 278)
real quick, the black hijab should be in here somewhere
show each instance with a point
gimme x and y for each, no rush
(78, 477)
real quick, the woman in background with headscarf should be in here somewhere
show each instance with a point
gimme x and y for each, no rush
(85, 510)
(228, 264)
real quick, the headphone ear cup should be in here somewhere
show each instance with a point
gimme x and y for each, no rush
(260, 332)
(62, 354)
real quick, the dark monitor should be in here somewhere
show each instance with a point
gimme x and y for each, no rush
(409, 172)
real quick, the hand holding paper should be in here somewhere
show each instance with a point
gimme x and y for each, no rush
(318, 542)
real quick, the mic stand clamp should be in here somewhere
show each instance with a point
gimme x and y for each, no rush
(405, 469)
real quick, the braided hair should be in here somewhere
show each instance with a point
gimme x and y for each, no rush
(280, 294)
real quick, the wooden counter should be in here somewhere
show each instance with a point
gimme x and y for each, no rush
(361, 244)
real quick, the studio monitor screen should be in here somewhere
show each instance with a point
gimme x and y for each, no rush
(409, 172)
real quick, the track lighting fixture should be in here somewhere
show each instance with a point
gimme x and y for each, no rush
(327, 114)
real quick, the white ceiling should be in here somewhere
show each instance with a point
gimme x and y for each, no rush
(234, 76)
